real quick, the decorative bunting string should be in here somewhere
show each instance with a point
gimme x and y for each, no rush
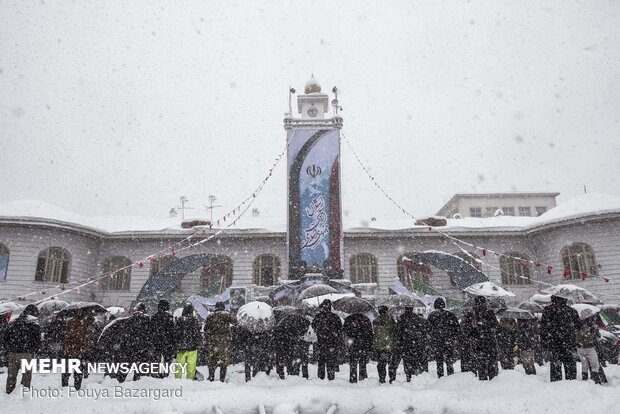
(567, 272)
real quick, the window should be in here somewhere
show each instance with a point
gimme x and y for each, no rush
(266, 270)
(53, 265)
(118, 279)
(410, 269)
(475, 212)
(525, 211)
(217, 275)
(471, 258)
(541, 210)
(508, 211)
(159, 263)
(579, 258)
(363, 268)
(516, 269)
(4, 261)
(490, 211)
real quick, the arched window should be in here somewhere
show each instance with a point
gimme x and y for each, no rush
(579, 259)
(363, 268)
(266, 270)
(410, 269)
(471, 258)
(4, 261)
(53, 265)
(117, 279)
(217, 275)
(159, 263)
(515, 269)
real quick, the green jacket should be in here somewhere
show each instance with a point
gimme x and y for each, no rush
(384, 329)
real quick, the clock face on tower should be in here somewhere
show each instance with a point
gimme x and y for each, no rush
(312, 112)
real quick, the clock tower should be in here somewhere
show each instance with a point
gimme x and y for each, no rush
(314, 203)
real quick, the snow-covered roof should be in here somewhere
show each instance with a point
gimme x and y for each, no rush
(580, 206)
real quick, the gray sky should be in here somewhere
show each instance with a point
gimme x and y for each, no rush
(120, 107)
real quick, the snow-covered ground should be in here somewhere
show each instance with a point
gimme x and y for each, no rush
(510, 392)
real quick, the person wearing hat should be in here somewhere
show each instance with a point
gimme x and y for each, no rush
(385, 342)
(586, 340)
(162, 325)
(22, 340)
(218, 338)
(327, 327)
(444, 328)
(557, 333)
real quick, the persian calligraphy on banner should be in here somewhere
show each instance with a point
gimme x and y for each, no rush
(314, 214)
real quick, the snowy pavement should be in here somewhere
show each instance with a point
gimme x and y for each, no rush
(510, 392)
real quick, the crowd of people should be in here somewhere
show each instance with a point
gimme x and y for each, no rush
(479, 340)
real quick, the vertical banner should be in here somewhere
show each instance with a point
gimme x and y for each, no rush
(314, 212)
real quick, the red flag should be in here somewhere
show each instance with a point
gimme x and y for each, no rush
(140, 265)
(537, 263)
(484, 252)
(549, 269)
(606, 279)
(584, 275)
(566, 273)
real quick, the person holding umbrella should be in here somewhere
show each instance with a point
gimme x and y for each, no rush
(79, 343)
(218, 338)
(557, 331)
(586, 340)
(327, 327)
(444, 331)
(358, 338)
(385, 342)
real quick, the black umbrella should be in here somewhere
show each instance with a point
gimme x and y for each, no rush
(351, 305)
(279, 312)
(109, 342)
(403, 301)
(73, 308)
(493, 303)
(515, 313)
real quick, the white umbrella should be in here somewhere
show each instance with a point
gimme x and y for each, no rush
(316, 301)
(590, 310)
(116, 310)
(487, 289)
(256, 316)
(574, 293)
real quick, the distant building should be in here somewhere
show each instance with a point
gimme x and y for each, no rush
(490, 204)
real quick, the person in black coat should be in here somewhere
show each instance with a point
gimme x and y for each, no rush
(22, 340)
(413, 341)
(162, 327)
(558, 325)
(327, 327)
(480, 328)
(4, 324)
(528, 343)
(444, 331)
(507, 337)
(136, 341)
(291, 351)
(258, 350)
(358, 337)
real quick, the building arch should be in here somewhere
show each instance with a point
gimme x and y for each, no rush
(217, 275)
(515, 268)
(119, 270)
(266, 270)
(53, 265)
(363, 268)
(580, 260)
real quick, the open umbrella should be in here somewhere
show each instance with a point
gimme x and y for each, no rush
(48, 307)
(256, 317)
(73, 308)
(573, 293)
(591, 310)
(353, 304)
(316, 290)
(494, 303)
(279, 312)
(488, 289)
(515, 313)
(316, 301)
(403, 301)
(530, 306)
